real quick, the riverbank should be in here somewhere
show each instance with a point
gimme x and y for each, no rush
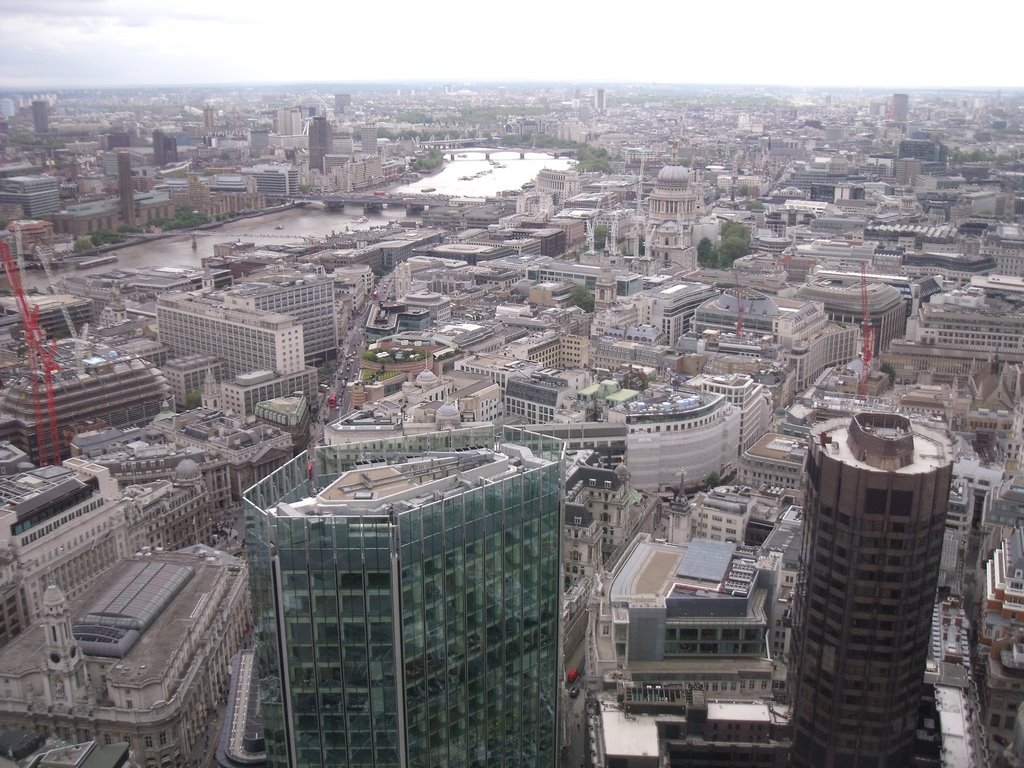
(70, 261)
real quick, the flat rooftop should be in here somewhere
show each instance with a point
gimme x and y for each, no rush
(147, 661)
(884, 441)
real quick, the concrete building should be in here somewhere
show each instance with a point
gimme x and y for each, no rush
(672, 308)
(877, 489)
(125, 188)
(805, 336)
(37, 195)
(63, 526)
(368, 138)
(320, 140)
(242, 340)
(165, 149)
(842, 301)
(560, 185)
(773, 460)
(433, 620)
(249, 449)
(1002, 634)
(113, 390)
(692, 615)
(41, 116)
(752, 400)
(307, 297)
(677, 437)
(275, 180)
(900, 107)
(141, 656)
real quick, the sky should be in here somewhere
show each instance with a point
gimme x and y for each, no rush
(867, 44)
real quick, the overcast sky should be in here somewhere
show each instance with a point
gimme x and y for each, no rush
(897, 43)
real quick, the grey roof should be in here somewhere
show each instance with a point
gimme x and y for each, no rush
(114, 622)
(706, 560)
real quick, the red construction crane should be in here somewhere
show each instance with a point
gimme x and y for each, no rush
(866, 332)
(41, 365)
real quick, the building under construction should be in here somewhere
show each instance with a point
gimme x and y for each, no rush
(88, 390)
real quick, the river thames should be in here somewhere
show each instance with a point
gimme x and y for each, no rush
(469, 175)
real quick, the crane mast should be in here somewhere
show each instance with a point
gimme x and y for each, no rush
(41, 366)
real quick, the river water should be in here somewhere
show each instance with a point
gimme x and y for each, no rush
(292, 225)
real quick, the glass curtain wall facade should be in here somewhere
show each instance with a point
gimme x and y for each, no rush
(423, 636)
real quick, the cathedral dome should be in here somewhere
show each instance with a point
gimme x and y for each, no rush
(674, 174)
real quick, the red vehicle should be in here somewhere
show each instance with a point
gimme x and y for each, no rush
(332, 400)
(572, 676)
(379, 194)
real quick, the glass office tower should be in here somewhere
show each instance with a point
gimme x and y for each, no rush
(406, 602)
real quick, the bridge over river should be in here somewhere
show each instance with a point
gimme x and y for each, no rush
(375, 201)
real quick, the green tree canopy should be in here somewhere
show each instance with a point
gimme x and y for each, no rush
(707, 254)
(582, 298)
(735, 243)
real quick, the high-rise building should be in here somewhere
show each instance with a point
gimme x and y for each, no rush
(259, 140)
(342, 101)
(165, 149)
(289, 121)
(876, 494)
(599, 100)
(406, 602)
(125, 190)
(209, 117)
(41, 116)
(900, 107)
(116, 140)
(368, 138)
(319, 142)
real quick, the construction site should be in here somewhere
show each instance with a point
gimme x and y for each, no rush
(58, 388)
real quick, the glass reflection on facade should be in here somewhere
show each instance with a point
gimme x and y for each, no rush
(406, 609)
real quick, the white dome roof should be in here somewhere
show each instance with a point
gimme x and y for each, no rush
(448, 410)
(426, 378)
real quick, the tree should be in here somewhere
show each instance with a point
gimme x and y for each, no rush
(582, 298)
(83, 244)
(735, 243)
(889, 371)
(707, 255)
(712, 481)
(600, 236)
(433, 160)
(193, 399)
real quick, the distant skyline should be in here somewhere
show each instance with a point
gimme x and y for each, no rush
(871, 45)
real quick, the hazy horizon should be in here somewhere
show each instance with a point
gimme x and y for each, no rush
(84, 44)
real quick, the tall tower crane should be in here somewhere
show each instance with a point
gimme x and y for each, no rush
(41, 366)
(867, 334)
